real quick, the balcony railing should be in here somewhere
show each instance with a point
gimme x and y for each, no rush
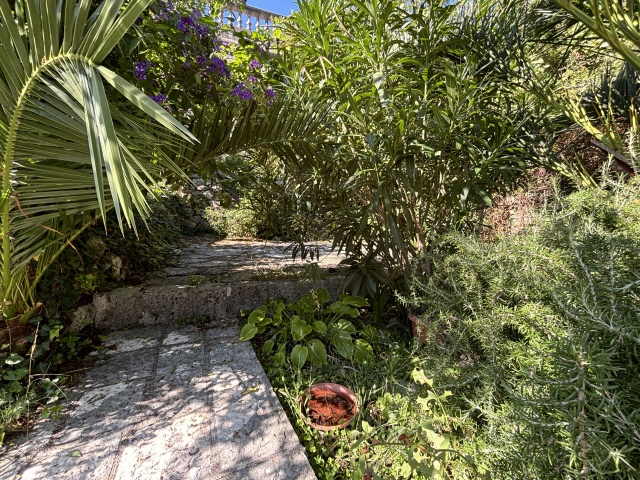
(248, 18)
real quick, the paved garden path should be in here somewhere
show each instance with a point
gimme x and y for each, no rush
(170, 403)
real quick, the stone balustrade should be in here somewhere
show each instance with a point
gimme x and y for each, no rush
(248, 18)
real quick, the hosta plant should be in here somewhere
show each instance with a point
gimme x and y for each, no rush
(76, 139)
(303, 331)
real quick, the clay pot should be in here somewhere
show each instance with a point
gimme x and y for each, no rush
(327, 406)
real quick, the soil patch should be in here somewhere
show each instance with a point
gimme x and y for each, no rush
(328, 409)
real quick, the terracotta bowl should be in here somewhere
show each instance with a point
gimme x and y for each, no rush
(316, 393)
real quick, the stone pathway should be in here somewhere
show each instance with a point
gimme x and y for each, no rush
(166, 404)
(171, 403)
(209, 259)
(212, 280)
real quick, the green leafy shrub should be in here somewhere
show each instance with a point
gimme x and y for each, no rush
(540, 334)
(303, 330)
(237, 221)
(425, 134)
(405, 427)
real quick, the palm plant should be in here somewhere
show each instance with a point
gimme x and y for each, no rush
(68, 153)
(611, 29)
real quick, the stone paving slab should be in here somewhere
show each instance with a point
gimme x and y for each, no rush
(166, 404)
(212, 280)
(209, 259)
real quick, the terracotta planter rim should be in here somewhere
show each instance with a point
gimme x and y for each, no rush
(336, 388)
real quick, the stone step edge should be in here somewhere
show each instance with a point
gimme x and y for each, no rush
(133, 307)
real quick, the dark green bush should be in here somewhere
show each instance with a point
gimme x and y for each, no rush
(540, 333)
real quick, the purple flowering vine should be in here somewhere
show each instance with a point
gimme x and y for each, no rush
(271, 96)
(159, 98)
(141, 69)
(242, 92)
(255, 64)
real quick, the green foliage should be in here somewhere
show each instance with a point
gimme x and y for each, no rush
(237, 221)
(540, 334)
(602, 105)
(304, 330)
(414, 436)
(69, 154)
(405, 427)
(101, 260)
(31, 354)
(427, 125)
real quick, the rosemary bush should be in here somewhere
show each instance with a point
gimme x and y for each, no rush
(540, 334)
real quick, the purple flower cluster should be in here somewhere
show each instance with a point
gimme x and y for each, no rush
(201, 31)
(159, 98)
(255, 64)
(271, 96)
(252, 79)
(242, 92)
(167, 9)
(141, 69)
(191, 24)
(219, 67)
(185, 24)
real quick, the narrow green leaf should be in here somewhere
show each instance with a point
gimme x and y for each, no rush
(144, 103)
(117, 31)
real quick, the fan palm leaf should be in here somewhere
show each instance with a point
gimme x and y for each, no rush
(68, 153)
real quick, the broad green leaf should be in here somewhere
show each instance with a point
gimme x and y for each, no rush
(17, 374)
(319, 326)
(300, 329)
(344, 309)
(317, 352)
(267, 347)
(299, 356)
(279, 358)
(257, 315)
(405, 470)
(323, 296)
(248, 332)
(342, 342)
(353, 300)
(366, 428)
(362, 351)
(308, 303)
(423, 402)
(345, 325)
(13, 359)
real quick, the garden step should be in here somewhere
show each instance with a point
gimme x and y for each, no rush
(166, 404)
(212, 280)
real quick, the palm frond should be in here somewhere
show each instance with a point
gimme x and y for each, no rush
(291, 129)
(69, 153)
